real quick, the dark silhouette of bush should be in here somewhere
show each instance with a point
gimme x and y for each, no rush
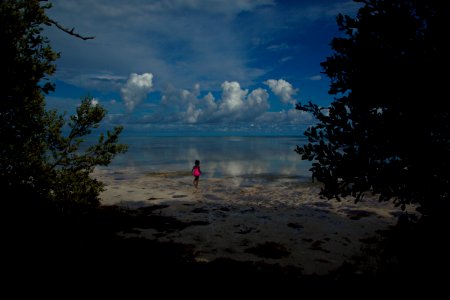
(43, 167)
(386, 131)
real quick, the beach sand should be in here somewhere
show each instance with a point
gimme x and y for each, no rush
(273, 220)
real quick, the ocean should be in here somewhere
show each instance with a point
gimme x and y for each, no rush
(220, 156)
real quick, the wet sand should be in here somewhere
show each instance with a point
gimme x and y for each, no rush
(274, 220)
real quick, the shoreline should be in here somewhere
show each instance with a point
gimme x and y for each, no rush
(267, 219)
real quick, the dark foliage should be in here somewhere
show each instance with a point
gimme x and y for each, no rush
(41, 169)
(387, 131)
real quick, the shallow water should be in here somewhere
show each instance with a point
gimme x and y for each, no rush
(250, 158)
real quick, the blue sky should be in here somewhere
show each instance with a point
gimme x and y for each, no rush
(196, 65)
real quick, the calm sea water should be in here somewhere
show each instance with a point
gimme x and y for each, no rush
(219, 156)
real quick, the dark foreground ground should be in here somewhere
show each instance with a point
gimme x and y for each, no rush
(70, 256)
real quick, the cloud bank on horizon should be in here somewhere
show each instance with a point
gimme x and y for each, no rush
(189, 107)
(196, 61)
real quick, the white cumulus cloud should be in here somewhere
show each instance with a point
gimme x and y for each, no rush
(238, 105)
(94, 102)
(235, 104)
(232, 97)
(283, 89)
(136, 89)
(233, 107)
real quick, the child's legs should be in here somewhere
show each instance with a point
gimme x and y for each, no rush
(196, 181)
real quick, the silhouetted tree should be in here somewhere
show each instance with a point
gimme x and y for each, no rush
(39, 166)
(387, 129)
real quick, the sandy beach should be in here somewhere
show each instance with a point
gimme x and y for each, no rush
(274, 220)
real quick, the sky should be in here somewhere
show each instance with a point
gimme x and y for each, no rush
(196, 66)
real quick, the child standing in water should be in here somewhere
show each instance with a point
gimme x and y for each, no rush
(196, 173)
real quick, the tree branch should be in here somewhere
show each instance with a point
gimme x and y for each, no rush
(70, 31)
